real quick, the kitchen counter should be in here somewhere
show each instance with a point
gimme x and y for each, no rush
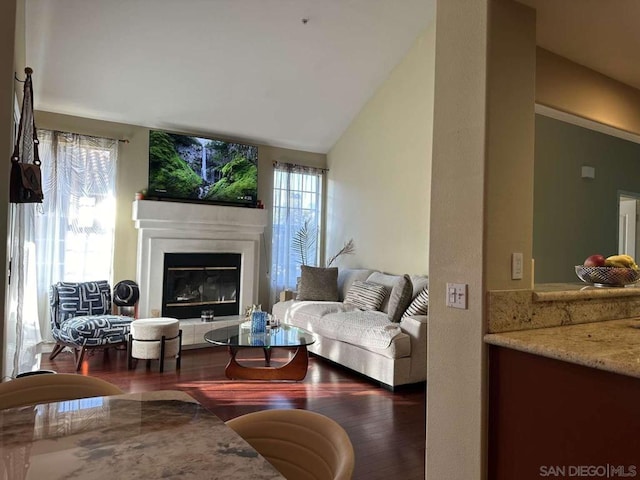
(548, 292)
(612, 345)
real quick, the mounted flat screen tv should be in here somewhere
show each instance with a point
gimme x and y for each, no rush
(198, 169)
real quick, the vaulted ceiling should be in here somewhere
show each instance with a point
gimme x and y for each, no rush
(291, 73)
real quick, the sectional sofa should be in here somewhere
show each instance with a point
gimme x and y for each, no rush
(387, 344)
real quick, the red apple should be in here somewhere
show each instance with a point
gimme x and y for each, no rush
(595, 261)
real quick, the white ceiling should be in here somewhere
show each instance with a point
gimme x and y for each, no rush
(252, 70)
(247, 69)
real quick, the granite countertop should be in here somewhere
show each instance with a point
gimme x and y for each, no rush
(612, 345)
(163, 434)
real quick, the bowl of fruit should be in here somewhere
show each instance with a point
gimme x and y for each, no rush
(613, 271)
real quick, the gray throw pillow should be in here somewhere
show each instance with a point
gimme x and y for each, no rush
(319, 284)
(400, 298)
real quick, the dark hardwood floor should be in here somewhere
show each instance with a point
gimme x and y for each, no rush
(387, 429)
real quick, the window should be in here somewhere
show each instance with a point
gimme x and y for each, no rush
(75, 227)
(297, 203)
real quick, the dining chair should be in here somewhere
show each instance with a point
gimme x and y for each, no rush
(57, 387)
(300, 444)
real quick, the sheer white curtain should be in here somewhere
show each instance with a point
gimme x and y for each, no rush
(23, 332)
(76, 228)
(297, 197)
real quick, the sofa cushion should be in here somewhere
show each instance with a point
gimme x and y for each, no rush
(366, 295)
(400, 298)
(346, 277)
(287, 311)
(419, 305)
(368, 329)
(342, 322)
(93, 330)
(318, 284)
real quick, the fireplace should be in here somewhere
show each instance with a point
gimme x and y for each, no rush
(166, 228)
(197, 282)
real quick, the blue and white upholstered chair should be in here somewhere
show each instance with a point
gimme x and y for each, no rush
(81, 318)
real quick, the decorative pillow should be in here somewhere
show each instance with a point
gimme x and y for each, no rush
(366, 295)
(346, 276)
(420, 304)
(400, 298)
(419, 283)
(320, 284)
(388, 281)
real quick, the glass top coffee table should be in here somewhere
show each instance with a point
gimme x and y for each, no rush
(238, 337)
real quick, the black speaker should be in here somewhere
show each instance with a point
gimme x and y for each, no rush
(126, 293)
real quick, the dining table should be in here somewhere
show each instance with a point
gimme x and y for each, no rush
(146, 435)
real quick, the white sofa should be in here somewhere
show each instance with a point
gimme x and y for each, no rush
(393, 353)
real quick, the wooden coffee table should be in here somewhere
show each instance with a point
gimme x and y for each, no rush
(239, 337)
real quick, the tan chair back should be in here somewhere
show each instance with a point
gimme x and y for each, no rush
(300, 444)
(34, 389)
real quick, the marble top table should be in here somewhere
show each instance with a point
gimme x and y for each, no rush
(164, 434)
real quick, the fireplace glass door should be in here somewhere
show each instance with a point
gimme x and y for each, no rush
(197, 282)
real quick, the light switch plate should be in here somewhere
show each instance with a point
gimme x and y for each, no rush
(516, 266)
(457, 295)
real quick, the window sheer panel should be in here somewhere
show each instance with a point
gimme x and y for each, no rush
(75, 231)
(297, 199)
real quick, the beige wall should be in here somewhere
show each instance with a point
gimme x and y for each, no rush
(133, 174)
(482, 171)
(380, 171)
(11, 50)
(572, 88)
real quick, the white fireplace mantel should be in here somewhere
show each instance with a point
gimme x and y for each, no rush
(173, 227)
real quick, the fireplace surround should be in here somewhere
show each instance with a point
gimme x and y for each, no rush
(166, 227)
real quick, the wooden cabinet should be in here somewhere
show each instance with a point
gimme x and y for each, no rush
(553, 419)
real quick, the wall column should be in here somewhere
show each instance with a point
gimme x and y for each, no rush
(481, 210)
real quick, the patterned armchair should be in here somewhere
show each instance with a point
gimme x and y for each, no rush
(81, 318)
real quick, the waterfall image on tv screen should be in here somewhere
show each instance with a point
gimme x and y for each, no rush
(190, 168)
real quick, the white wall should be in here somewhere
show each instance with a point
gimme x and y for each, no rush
(380, 171)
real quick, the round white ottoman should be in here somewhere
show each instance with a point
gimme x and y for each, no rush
(155, 338)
